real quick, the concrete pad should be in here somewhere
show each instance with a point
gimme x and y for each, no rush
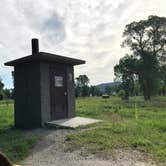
(72, 122)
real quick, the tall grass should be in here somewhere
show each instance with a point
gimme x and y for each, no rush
(135, 124)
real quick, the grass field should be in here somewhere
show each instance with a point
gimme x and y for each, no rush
(134, 125)
(14, 143)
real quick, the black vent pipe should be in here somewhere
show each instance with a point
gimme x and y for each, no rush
(35, 46)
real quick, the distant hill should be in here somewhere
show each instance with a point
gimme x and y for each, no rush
(104, 85)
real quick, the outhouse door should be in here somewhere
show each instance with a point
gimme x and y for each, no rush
(58, 92)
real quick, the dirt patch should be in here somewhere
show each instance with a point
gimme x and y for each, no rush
(50, 151)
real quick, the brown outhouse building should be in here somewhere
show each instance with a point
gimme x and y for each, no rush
(44, 88)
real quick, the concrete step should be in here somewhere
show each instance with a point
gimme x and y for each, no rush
(71, 123)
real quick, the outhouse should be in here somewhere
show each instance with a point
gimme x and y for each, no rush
(43, 88)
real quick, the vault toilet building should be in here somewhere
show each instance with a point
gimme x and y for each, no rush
(44, 88)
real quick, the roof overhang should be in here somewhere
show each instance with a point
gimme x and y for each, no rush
(45, 57)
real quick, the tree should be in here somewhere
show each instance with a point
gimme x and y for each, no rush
(82, 88)
(137, 88)
(95, 91)
(125, 71)
(8, 93)
(121, 94)
(77, 91)
(148, 73)
(108, 90)
(1, 89)
(162, 83)
(147, 40)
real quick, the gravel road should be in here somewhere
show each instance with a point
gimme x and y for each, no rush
(50, 151)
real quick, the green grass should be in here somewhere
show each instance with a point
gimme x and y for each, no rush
(6, 115)
(14, 143)
(133, 125)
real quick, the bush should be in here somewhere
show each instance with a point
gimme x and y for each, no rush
(1, 96)
(121, 94)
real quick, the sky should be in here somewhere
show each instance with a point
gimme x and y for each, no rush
(90, 30)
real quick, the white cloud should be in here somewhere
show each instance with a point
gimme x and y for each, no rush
(89, 29)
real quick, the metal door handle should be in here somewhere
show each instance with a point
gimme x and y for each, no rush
(65, 93)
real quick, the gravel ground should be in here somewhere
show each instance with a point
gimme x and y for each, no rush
(50, 151)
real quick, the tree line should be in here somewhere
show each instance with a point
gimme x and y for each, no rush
(5, 93)
(146, 65)
(82, 88)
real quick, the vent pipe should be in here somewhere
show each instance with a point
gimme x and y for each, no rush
(35, 46)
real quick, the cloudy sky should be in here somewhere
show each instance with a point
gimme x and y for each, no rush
(87, 29)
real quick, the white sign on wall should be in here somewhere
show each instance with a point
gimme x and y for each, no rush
(58, 81)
